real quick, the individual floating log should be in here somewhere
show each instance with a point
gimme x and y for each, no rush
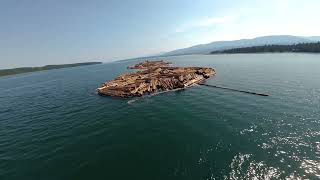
(248, 92)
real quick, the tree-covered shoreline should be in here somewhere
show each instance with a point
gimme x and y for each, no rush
(296, 48)
(7, 72)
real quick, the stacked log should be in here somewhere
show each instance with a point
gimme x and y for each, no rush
(154, 76)
(150, 64)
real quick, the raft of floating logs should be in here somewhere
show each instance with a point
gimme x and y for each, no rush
(153, 77)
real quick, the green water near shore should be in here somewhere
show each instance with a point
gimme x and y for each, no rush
(54, 126)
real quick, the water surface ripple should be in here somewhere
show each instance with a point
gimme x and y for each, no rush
(54, 126)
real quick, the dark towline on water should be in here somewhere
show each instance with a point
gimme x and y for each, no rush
(247, 92)
(7, 72)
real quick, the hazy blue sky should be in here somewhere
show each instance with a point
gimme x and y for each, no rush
(38, 32)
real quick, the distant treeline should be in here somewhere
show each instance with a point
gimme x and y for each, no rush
(6, 72)
(296, 48)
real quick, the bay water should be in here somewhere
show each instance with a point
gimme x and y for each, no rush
(54, 126)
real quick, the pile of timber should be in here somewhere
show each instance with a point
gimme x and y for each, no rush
(153, 77)
(150, 64)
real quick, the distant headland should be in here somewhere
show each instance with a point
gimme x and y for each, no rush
(242, 43)
(7, 72)
(296, 48)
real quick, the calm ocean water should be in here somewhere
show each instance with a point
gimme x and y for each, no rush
(54, 126)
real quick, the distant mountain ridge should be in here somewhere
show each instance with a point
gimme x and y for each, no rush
(314, 38)
(259, 41)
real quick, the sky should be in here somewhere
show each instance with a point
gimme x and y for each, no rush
(41, 32)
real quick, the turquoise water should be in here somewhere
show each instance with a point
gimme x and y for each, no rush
(54, 126)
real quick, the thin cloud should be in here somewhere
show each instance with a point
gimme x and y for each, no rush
(207, 22)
